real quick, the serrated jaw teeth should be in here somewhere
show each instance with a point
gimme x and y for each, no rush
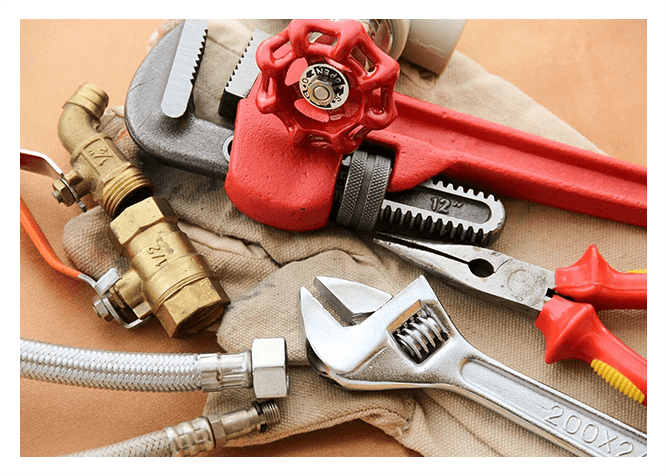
(444, 211)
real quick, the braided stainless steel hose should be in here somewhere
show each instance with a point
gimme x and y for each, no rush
(192, 437)
(110, 370)
(156, 372)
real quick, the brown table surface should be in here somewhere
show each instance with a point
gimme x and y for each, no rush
(590, 73)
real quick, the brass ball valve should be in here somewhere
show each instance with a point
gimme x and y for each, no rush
(167, 277)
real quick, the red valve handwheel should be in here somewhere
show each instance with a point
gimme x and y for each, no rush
(327, 82)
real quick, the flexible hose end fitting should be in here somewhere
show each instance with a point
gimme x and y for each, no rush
(207, 432)
(190, 438)
(260, 416)
(98, 166)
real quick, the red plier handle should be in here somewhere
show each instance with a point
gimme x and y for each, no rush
(573, 329)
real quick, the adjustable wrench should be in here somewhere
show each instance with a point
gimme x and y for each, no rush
(409, 341)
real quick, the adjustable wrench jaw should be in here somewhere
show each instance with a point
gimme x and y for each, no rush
(375, 354)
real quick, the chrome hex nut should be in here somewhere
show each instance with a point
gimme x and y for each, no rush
(270, 378)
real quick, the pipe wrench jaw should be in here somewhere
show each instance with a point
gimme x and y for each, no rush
(399, 345)
(187, 142)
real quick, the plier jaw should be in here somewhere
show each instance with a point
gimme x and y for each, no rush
(484, 273)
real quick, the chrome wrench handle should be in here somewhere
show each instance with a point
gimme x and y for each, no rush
(553, 415)
(409, 341)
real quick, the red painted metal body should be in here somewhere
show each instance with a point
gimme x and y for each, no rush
(273, 182)
(292, 188)
(346, 46)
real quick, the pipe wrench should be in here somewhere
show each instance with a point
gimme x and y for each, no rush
(424, 141)
(161, 119)
(409, 341)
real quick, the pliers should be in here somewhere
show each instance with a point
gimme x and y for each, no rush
(563, 302)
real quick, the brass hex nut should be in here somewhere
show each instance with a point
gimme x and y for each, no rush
(193, 308)
(270, 378)
(140, 217)
(62, 193)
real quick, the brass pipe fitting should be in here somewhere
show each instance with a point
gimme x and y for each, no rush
(98, 166)
(167, 278)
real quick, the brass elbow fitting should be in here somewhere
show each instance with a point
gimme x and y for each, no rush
(167, 277)
(98, 166)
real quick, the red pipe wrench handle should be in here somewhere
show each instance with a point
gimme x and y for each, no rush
(574, 331)
(591, 279)
(429, 139)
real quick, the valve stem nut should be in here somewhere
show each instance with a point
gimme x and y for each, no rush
(324, 86)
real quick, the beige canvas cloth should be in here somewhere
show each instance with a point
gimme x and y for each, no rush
(262, 269)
